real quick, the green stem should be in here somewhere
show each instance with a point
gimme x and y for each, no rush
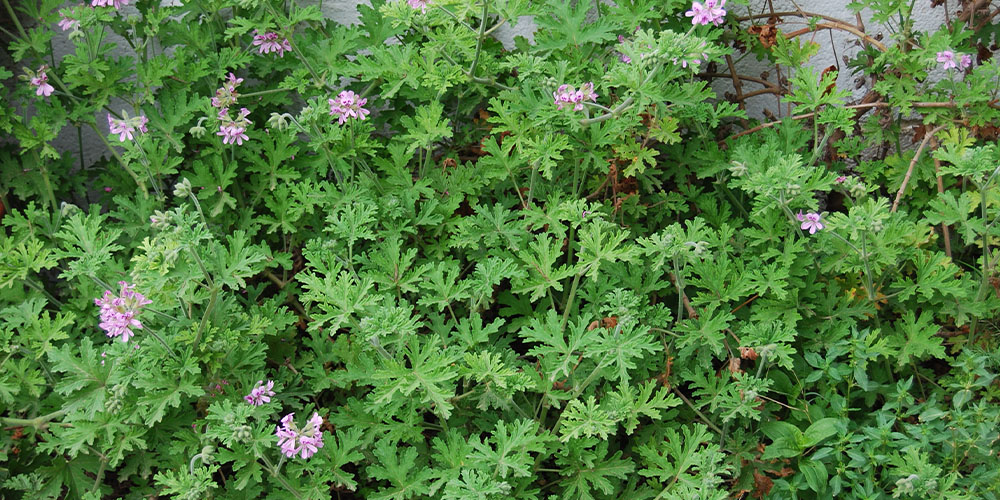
(149, 171)
(204, 318)
(479, 42)
(868, 272)
(264, 92)
(371, 87)
(531, 183)
(43, 291)
(276, 473)
(197, 207)
(298, 53)
(569, 301)
(39, 423)
(49, 193)
(582, 387)
(623, 106)
(453, 16)
(201, 265)
(100, 474)
(162, 342)
(17, 22)
(138, 181)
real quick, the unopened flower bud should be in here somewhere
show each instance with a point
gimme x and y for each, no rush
(183, 188)
(858, 190)
(277, 121)
(158, 220)
(197, 131)
(206, 453)
(738, 168)
(113, 405)
(793, 189)
(698, 247)
(242, 433)
(68, 208)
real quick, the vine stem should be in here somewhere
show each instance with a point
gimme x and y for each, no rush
(879, 104)
(832, 23)
(913, 163)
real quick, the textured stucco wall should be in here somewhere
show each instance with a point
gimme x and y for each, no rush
(834, 46)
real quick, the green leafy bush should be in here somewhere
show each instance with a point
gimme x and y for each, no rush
(398, 259)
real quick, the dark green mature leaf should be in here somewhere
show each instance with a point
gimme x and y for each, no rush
(398, 466)
(916, 338)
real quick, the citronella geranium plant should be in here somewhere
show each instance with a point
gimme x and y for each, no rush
(405, 259)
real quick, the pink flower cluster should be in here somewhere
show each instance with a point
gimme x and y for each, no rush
(568, 94)
(40, 81)
(226, 95)
(810, 222)
(119, 314)
(621, 56)
(261, 393)
(693, 57)
(418, 4)
(271, 42)
(712, 11)
(948, 61)
(233, 131)
(126, 126)
(304, 442)
(348, 105)
(117, 4)
(67, 23)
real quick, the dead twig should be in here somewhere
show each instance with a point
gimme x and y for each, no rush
(913, 163)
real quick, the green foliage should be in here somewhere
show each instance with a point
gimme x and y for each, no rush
(646, 294)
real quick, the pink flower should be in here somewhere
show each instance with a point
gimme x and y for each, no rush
(233, 135)
(233, 131)
(271, 42)
(226, 95)
(126, 126)
(304, 442)
(40, 81)
(67, 23)
(568, 94)
(418, 4)
(965, 62)
(842, 178)
(348, 105)
(947, 59)
(810, 221)
(107, 189)
(119, 313)
(261, 393)
(117, 4)
(711, 11)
